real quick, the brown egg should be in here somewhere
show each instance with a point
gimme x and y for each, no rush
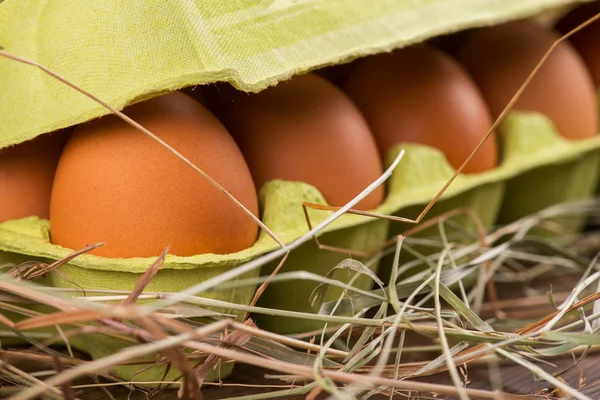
(26, 175)
(420, 95)
(587, 40)
(500, 58)
(116, 185)
(307, 130)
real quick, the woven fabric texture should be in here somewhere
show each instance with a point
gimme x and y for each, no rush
(124, 51)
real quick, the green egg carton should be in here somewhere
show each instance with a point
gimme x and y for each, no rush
(296, 295)
(482, 194)
(552, 169)
(281, 203)
(531, 148)
(351, 232)
(28, 238)
(538, 169)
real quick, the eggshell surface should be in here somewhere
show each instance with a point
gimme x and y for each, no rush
(26, 176)
(307, 130)
(420, 95)
(501, 58)
(114, 184)
(587, 40)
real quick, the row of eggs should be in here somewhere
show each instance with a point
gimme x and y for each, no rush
(104, 181)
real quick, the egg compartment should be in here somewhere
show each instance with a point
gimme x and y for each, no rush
(29, 237)
(539, 168)
(552, 170)
(295, 295)
(415, 179)
(481, 193)
(281, 204)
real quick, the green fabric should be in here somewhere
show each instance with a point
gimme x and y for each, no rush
(123, 52)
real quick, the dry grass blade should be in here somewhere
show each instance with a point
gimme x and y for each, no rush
(10, 285)
(576, 338)
(63, 317)
(32, 270)
(235, 339)
(190, 389)
(8, 356)
(145, 279)
(6, 322)
(266, 336)
(262, 287)
(542, 322)
(317, 296)
(451, 366)
(67, 389)
(409, 232)
(26, 378)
